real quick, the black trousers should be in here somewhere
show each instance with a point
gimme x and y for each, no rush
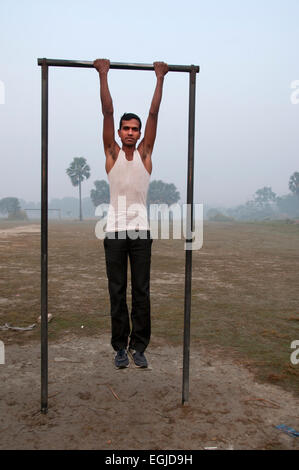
(119, 247)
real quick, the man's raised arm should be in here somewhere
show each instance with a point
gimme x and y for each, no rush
(146, 145)
(102, 66)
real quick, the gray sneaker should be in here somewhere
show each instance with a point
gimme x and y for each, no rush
(138, 358)
(121, 359)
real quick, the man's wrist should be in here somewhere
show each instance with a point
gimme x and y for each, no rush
(103, 76)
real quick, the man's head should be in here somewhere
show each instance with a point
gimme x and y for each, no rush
(129, 129)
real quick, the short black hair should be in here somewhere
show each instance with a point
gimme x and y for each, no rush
(127, 117)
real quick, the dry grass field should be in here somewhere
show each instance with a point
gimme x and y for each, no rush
(245, 294)
(245, 300)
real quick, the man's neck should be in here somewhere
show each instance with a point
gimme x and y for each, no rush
(129, 151)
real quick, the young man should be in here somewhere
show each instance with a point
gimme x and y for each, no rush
(127, 230)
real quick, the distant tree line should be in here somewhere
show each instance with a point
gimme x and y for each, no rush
(264, 205)
(78, 171)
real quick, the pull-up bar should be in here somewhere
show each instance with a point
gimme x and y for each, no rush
(45, 64)
(114, 65)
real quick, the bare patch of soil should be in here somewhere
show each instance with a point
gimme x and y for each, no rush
(7, 232)
(94, 406)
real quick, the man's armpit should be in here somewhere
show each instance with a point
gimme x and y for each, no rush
(112, 151)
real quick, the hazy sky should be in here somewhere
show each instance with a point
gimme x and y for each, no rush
(246, 126)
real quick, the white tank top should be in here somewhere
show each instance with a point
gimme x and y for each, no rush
(129, 181)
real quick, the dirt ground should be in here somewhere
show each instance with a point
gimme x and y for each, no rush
(8, 232)
(94, 406)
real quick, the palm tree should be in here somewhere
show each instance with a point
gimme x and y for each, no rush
(78, 171)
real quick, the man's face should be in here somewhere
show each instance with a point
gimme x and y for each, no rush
(129, 132)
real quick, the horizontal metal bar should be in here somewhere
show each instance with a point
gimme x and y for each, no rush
(115, 65)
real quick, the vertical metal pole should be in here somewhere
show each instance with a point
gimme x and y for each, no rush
(189, 222)
(44, 242)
